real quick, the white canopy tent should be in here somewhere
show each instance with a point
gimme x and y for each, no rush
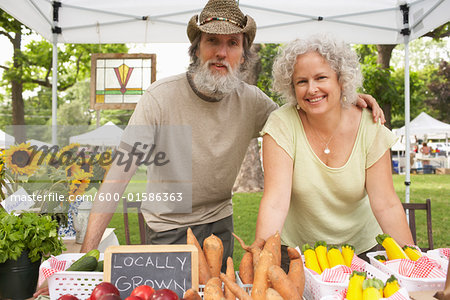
(6, 140)
(106, 135)
(145, 21)
(425, 127)
(38, 143)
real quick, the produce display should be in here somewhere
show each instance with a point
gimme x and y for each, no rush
(362, 288)
(263, 265)
(261, 277)
(324, 256)
(88, 262)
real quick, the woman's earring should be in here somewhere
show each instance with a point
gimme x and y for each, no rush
(344, 99)
(298, 107)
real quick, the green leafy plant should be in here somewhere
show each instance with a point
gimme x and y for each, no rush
(29, 231)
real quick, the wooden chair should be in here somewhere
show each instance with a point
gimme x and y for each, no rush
(126, 206)
(411, 209)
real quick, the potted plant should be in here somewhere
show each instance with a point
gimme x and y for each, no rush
(25, 240)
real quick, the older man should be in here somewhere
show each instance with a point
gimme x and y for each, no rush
(223, 114)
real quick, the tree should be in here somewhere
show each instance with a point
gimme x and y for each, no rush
(384, 57)
(31, 68)
(440, 92)
(267, 54)
(14, 31)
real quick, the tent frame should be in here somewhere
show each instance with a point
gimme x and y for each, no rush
(406, 31)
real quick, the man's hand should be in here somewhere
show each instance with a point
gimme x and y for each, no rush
(365, 100)
(42, 291)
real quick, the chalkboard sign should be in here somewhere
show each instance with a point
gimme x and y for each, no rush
(172, 267)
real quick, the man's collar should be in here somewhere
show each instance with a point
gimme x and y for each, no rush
(197, 92)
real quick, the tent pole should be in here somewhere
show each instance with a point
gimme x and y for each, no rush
(56, 30)
(406, 32)
(54, 88)
(407, 119)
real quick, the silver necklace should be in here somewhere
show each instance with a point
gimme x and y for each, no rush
(326, 150)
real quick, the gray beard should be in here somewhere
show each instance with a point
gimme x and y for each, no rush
(213, 84)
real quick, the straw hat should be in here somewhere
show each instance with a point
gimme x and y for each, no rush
(221, 17)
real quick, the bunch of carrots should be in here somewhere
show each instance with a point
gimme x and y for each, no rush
(321, 256)
(362, 288)
(260, 266)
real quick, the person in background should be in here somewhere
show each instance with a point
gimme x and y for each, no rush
(426, 151)
(327, 166)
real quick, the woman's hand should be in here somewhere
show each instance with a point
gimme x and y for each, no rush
(365, 100)
(385, 204)
(274, 206)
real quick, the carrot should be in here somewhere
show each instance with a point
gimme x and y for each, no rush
(191, 294)
(238, 291)
(259, 242)
(230, 274)
(282, 284)
(293, 253)
(213, 249)
(256, 253)
(246, 268)
(296, 272)
(213, 289)
(260, 282)
(272, 294)
(273, 244)
(241, 241)
(204, 274)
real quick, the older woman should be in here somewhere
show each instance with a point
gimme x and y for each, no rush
(327, 165)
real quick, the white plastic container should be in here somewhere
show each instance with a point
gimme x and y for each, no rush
(440, 258)
(316, 289)
(78, 284)
(411, 284)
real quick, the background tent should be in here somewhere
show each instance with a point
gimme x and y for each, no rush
(144, 21)
(425, 125)
(38, 143)
(106, 135)
(6, 140)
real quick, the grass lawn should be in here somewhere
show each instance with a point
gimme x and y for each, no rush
(245, 207)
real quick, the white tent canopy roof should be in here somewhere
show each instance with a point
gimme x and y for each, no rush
(106, 135)
(38, 143)
(6, 140)
(423, 125)
(145, 21)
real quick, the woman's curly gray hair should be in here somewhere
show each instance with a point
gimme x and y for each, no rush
(339, 56)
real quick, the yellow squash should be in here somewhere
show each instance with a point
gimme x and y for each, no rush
(413, 253)
(393, 250)
(335, 257)
(355, 291)
(380, 258)
(372, 289)
(311, 259)
(320, 248)
(391, 287)
(348, 251)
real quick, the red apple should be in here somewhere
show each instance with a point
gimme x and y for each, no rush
(102, 289)
(68, 297)
(133, 298)
(165, 294)
(110, 296)
(145, 292)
